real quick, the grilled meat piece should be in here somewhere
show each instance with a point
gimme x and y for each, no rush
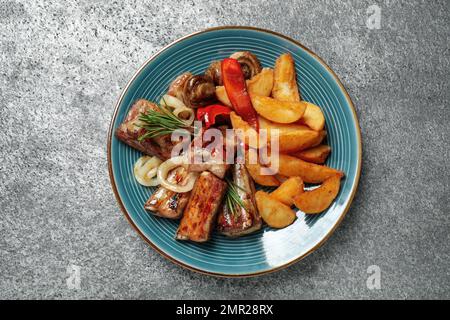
(129, 132)
(200, 214)
(243, 220)
(166, 203)
(213, 163)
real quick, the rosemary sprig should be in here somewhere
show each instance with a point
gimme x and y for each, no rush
(232, 199)
(160, 123)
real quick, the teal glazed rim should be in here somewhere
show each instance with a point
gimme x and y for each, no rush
(198, 259)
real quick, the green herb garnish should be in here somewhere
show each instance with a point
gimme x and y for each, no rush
(232, 199)
(160, 123)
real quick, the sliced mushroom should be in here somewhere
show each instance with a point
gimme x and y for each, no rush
(249, 63)
(177, 86)
(214, 72)
(199, 91)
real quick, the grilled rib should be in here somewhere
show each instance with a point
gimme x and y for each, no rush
(200, 214)
(166, 203)
(241, 221)
(129, 132)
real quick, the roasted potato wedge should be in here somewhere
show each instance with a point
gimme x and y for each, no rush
(261, 84)
(254, 169)
(285, 83)
(313, 117)
(320, 199)
(288, 190)
(281, 178)
(322, 135)
(250, 135)
(274, 213)
(222, 96)
(309, 172)
(278, 111)
(317, 154)
(292, 137)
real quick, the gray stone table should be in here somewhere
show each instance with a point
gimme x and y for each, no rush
(63, 65)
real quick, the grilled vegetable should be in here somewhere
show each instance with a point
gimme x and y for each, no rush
(234, 82)
(199, 91)
(210, 113)
(168, 166)
(166, 203)
(145, 171)
(250, 64)
(239, 215)
(176, 88)
(201, 212)
(193, 90)
(214, 73)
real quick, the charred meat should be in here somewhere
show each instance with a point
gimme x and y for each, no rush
(200, 215)
(166, 203)
(130, 131)
(242, 220)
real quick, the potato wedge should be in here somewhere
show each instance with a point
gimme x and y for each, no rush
(309, 172)
(289, 190)
(281, 178)
(261, 84)
(285, 83)
(254, 169)
(222, 96)
(322, 135)
(313, 117)
(251, 137)
(320, 199)
(292, 137)
(274, 213)
(278, 111)
(317, 154)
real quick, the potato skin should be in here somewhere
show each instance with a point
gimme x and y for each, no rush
(222, 96)
(278, 111)
(254, 170)
(320, 199)
(285, 84)
(292, 137)
(316, 155)
(274, 213)
(309, 172)
(288, 190)
(251, 137)
(261, 84)
(313, 117)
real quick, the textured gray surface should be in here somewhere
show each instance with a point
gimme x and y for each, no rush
(62, 67)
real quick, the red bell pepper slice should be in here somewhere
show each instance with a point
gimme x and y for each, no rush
(209, 114)
(234, 82)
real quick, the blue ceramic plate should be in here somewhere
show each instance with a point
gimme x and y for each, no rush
(267, 250)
